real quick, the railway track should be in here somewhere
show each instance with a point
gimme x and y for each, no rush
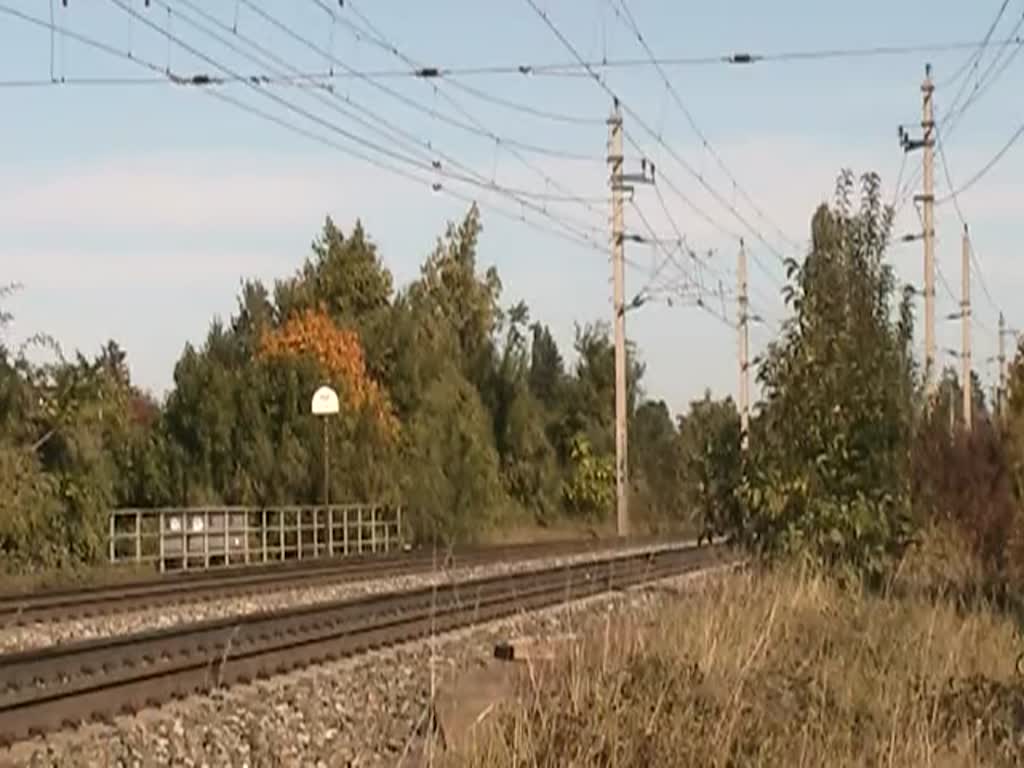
(194, 587)
(61, 686)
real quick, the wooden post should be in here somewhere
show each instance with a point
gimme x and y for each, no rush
(113, 537)
(263, 534)
(162, 523)
(359, 528)
(280, 523)
(344, 515)
(138, 536)
(330, 532)
(206, 538)
(316, 533)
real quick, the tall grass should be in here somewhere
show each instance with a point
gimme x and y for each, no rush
(774, 668)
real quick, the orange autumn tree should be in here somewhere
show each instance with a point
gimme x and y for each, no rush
(339, 353)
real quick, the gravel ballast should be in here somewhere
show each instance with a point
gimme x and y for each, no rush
(19, 638)
(370, 710)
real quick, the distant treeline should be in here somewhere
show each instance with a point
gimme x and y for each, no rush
(462, 408)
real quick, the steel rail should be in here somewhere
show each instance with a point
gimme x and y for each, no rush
(48, 689)
(197, 587)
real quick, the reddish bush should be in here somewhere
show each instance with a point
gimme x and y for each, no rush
(965, 478)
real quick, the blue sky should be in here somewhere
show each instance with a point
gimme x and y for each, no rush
(132, 212)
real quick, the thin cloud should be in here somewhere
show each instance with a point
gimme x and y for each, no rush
(186, 193)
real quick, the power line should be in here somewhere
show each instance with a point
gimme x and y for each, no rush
(981, 172)
(741, 59)
(698, 262)
(670, 258)
(84, 39)
(960, 214)
(568, 196)
(677, 98)
(568, 235)
(383, 41)
(372, 79)
(699, 211)
(520, 218)
(956, 111)
(675, 227)
(375, 37)
(379, 39)
(473, 179)
(986, 79)
(318, 80)
(654, 134)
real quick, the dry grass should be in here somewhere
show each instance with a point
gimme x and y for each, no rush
(528, 532)
(525, 531)
(85, 576)
(781, 668)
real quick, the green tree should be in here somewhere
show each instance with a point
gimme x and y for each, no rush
(829, 473)
(589, 491)
(655, 468)
(711, 465)
(453, 466)
(465, 301)
(547, 368)
(528, 462)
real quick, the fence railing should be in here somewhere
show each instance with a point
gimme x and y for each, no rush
(203, 537)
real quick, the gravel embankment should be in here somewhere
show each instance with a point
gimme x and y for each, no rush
(366, 711)
(44, 634)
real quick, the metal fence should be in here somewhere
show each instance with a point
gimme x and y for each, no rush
(205, 537)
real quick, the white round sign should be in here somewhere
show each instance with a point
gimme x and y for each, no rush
(325, 402)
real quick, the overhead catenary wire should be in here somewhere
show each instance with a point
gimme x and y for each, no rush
(388, 45)
(568, 195)
(302, 80)
(586, 243)
(954, 197)
(699, 264)
(513, 148)
(659, 243)
(626, 15)
(374, 146)
(373, 81)
(384, 42)
(674, 188)
(741, 59)
(425, 72)
(985, 80)
(96, 44)
(669, 258)
(956, 111)
(597, 78)
(983, 171)
(378, 122)
(398, 171)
